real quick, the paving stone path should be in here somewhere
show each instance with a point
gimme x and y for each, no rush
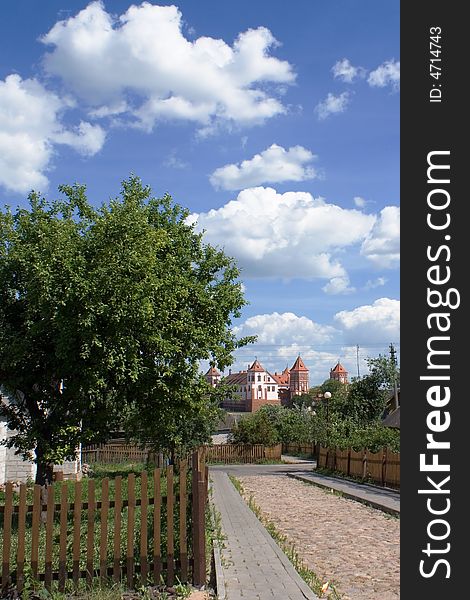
(254, 567)
(341, 540)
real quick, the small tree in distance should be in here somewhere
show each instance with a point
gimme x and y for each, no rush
(105, 315)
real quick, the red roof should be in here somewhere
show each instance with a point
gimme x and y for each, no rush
(282, 379)
(256, 366)
(299, 365)
(339, 369)
(213, 372)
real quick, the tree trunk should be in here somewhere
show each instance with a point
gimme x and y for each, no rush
(44, 469)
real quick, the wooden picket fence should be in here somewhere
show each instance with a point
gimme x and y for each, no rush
(298, 449)
(241, 453)
(114, 453)
(135, 530)
(381, 467)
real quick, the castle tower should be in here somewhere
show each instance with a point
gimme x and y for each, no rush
(298, 383)
(339, 373)
(262, 387)
(212, 376)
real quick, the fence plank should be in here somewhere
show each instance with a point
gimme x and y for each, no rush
(77, 521)
(104, 529)
(170, 545)
(35, 530)
(183, 508)
(7, 533)
(198, 503)
(143, 528)
(20, 556)
(117, 528)
(49, 533)
(374, 466)
(356, 463)
(157, 557)
(63, 537)
(130, 529)
(392, 468)
(90, 542)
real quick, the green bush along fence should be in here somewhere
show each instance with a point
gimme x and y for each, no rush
(135, 530)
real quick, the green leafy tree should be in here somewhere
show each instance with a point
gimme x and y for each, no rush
(275, 424)
(366, 400)
(386, 370)
(105, 315)
(257, 428)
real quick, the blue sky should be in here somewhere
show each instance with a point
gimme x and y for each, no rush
(275, 123)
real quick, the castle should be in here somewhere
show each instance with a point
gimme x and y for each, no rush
(257, 387)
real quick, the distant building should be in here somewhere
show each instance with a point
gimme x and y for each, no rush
(213, 376)
(339, 373)
(257, 387)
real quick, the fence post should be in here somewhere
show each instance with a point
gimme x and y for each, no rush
(384, 464)
(364, 463)
(349, 461)
(198, 511)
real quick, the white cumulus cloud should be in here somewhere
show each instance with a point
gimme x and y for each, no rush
(290, 235)
(374, 283)
(332, 105)
(338, 285)
(30, 127)
(281, 329)
(382, 244)
(360, 202)
(281, 338)
(376, 323)
(273, 165)
(346, 72)
(388, 73)
(141, 66)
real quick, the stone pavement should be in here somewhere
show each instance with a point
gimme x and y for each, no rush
(354, 547)
(382, 498)
(253, 565)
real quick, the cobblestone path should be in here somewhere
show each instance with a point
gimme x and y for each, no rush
(342, 541)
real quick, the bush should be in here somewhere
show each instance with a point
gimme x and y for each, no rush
(273, 425)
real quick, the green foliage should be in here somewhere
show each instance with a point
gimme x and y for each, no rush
(365, 401)
(385, 369)
(346, 433)
(254, 429)
(105, 315)
(273, 425)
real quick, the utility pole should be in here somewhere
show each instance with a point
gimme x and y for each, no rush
(357, 359)
(394, 365)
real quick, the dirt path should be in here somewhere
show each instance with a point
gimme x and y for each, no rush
(341, 540)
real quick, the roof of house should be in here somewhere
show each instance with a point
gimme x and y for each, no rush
(338, 368)
(392, 419)
(256, 366)
(236, 378)
(282, 378)
(213, 372)
(299, 365)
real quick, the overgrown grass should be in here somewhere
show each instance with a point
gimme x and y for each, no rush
(34, 590)
(288, 547)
